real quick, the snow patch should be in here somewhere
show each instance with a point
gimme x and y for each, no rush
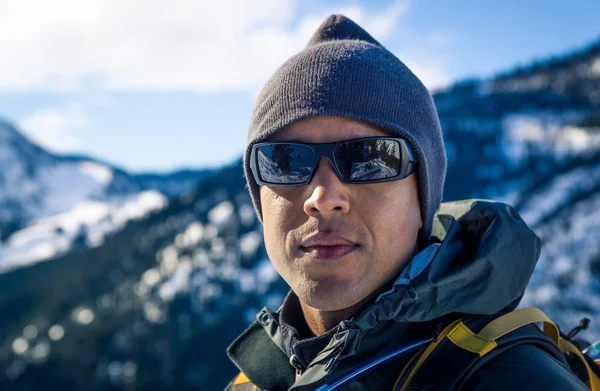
(575, 139)
(247, 215)
(88, 221)
(191, 236)
(100, 173)
(558, 192)
(140, 205)
(547, 133)
(250, 243)
(595, 67)
(65, 185)
(221, 214)
(266, 273)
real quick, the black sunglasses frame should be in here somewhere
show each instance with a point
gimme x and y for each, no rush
(325, 150)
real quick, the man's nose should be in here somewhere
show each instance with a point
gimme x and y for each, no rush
(327, 193)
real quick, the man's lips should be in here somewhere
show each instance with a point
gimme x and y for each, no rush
(328, 246)
(329, 252)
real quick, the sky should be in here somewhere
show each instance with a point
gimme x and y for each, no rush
(156, 85)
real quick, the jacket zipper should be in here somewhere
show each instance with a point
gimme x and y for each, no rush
(295, 362)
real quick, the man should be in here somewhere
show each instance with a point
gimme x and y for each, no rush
(345, 164)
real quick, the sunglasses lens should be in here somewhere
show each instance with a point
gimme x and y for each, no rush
(285, 163)
(368, 160)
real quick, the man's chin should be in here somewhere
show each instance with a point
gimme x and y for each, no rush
(332, 297)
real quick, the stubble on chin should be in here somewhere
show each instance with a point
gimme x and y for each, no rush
(326, 294)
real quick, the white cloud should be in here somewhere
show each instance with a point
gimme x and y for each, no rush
(56, 129)
(431, 73)
(67, 45)
(429, 58)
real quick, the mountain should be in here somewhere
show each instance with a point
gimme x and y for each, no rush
(531, 137)
(49, 202)
(155, 305)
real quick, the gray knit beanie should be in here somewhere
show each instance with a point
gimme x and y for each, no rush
(345, 72)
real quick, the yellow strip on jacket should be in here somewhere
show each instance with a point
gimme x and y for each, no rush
(241, 379)
(464, 338)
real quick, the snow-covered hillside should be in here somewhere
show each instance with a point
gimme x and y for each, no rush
(49, 203)
(184, 278)
(531, 137)
(85, 224)
(36, 184)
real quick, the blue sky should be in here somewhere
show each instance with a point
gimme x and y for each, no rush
(166, 85)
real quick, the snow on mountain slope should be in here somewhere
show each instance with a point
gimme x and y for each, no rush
(87, 222)
(531, 137)
(550, 133)
(49, 203)
(558, 192)
(35, 184)
(176, 284)
(565, 282)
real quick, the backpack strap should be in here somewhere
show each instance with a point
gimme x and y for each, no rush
(417, 361)
(242, 383)
(459, 351)
(511, 321)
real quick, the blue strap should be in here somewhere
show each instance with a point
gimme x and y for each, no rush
(374, 364)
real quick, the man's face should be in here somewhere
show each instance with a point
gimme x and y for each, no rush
(335, 243)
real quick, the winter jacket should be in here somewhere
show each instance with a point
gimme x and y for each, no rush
(479, 262)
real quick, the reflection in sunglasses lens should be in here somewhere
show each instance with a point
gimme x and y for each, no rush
(368, 160)
(284, 163)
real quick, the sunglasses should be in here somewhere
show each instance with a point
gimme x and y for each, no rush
(361, 160)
